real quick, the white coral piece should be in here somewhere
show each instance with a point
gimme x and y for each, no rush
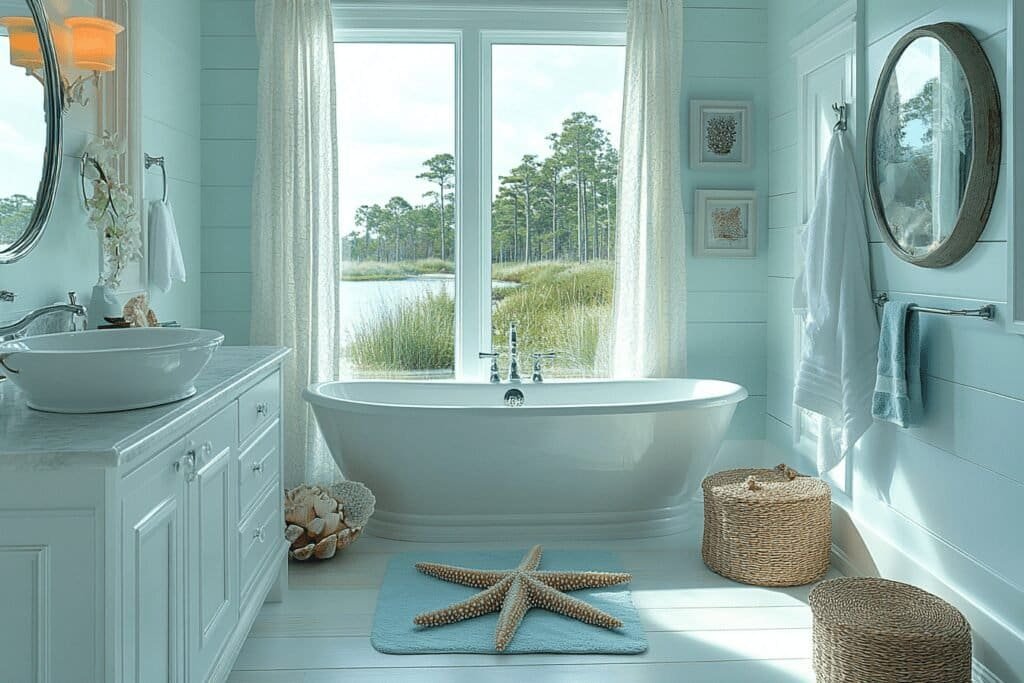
(356, 500)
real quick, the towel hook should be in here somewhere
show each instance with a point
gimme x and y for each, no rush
(158, 161)
(841, 118)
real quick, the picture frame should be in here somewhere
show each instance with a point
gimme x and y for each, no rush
(721, 134)
(725, 224)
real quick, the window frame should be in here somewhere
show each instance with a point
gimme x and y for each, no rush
(474, 29)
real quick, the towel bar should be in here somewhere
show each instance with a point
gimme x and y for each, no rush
(158, 161)
(988, 311)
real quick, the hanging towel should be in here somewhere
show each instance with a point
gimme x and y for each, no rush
(165, 262)
(833, 298)
(898, 383)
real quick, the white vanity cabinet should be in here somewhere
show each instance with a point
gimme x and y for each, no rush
(148, 558)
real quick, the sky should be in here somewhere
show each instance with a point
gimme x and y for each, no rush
(396, 108)
(22, 128)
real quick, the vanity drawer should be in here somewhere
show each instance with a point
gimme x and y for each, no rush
(214, 436)
(257, 465)
(257, 405)
(261, 534)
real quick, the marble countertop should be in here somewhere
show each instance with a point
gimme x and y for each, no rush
(37, 439)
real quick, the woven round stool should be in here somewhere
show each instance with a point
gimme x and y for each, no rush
(767, 527)
(878, 630)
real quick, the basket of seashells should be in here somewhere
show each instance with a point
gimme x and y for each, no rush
(321, 520)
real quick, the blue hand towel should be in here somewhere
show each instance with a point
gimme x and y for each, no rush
(897, 397)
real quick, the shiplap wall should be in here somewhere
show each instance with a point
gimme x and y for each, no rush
(67, 257)
(229, 65)
(940, 504)
(170, 128)
(726, 58)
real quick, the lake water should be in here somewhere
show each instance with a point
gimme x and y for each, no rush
(361, 299)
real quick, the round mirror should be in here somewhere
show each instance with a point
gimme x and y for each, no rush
(30, 125)
(934, 133)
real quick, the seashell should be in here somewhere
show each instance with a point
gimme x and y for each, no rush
(299, 495)
(302, 541)
(325, 549)
(325, 505)
(332, 523)
(137, 312)
(304, 553)
(357, 502)
(292, 532)
(299, 513)
(346, 537)
(315, 526)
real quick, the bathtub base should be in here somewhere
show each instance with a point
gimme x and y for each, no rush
(561, 526)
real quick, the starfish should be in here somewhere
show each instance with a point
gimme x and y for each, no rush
(513, 592)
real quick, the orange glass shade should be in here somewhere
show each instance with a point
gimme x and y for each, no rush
(93, 43)
(25, 52)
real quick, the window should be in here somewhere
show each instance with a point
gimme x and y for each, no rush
(396, 133)
(478, 182)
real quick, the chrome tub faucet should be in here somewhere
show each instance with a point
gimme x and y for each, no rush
(513, 361)
(513, 355)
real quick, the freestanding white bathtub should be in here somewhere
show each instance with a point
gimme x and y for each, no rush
(578, 459)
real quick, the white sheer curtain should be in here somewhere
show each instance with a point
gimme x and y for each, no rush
(296, 251)
(649, 335)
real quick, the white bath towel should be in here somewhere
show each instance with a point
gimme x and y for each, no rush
(165, 261)
(836, 373)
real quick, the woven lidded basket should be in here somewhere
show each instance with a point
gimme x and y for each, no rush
(868, 629)
(767, 527)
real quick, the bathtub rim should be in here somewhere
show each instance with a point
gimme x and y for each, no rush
(313, 394)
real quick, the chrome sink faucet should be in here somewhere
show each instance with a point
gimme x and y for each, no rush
(17, 328)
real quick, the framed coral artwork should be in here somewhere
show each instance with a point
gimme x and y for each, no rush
(720, 134)
(725, 223)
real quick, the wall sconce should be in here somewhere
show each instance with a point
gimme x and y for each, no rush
(84, 44)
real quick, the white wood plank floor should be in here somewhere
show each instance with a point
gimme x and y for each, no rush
(701, 627)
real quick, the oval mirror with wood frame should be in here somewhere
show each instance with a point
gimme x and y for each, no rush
(933, 145)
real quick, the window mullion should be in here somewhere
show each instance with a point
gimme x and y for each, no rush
(472, 315)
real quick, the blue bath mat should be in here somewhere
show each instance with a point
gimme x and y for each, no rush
(406, 592)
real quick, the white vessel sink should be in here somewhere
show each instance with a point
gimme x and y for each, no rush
(106, 370)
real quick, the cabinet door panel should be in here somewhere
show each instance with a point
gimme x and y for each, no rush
(212, 511)
(153, 572)
(48, 571)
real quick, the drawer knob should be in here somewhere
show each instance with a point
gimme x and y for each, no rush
(262, 408)
(257, 535)
(188, 462)
(258, 468)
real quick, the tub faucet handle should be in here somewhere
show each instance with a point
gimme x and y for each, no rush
(537, 358)
(495, 377)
